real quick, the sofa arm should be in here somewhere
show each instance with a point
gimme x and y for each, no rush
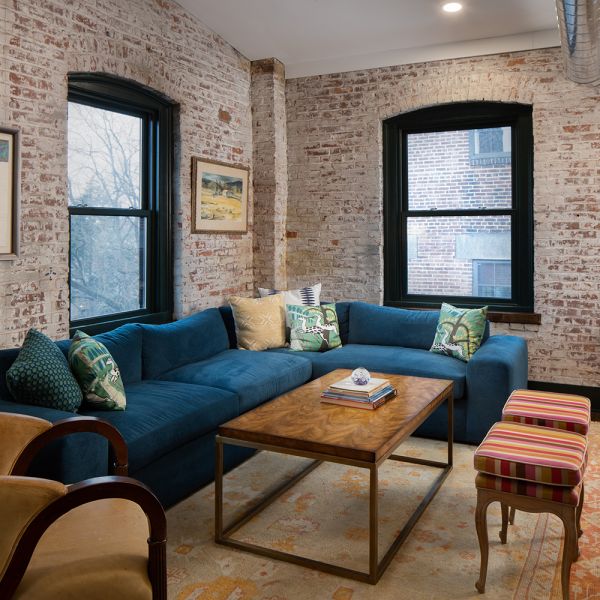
(496, 369)
(69, 459)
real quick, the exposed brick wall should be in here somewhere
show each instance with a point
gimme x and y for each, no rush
(156, 43)
(335, 188)
(270, 172)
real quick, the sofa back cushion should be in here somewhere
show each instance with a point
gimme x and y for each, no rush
(7, 358)
(389, 326)
(125, 346)
(227, 316)
(341, 308)
(343, 314)
(192, 339)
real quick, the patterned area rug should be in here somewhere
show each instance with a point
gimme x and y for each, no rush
(325, 517)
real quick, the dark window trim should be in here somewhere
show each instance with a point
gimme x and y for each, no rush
(465, 115)
(115, 93)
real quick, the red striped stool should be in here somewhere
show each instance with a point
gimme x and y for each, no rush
(534, 469)
(547, 409)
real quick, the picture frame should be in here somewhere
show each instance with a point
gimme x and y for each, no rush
(10, 185)
(219, 197)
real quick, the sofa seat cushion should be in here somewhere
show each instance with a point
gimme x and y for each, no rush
(254, 376)
(390, 359)
(163, 415)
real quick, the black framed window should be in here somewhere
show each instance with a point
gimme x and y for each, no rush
(458, 206)
(120, 153)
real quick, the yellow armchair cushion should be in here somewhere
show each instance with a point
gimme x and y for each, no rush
(96, 551)
(16, 431)
(21, 499)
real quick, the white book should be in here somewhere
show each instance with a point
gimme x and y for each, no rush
(348, 385)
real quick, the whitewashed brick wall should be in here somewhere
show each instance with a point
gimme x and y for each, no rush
(270, 173)
(156, 43)
(335, 188)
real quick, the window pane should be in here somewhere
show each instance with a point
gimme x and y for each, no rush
(104, 156)
(448, 249)
(108, 258)
(491, 278)
(447, 170)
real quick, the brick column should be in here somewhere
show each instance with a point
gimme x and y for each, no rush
(270, 173)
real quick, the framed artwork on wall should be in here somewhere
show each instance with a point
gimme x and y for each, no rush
(9, 193)
(219, 197)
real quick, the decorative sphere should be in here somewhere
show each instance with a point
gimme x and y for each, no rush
(361, 376)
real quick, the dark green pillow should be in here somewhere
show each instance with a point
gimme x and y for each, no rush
(97, 373)
(40, 375)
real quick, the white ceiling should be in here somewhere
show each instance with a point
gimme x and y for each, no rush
(322, 36)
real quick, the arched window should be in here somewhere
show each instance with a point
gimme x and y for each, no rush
(458, 206)
(120, 154)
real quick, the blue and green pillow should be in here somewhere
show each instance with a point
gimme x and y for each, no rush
(313, 328)
(459, 331)
(97, 373)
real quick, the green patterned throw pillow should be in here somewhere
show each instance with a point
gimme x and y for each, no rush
(97, 373)
(314, 328)
(40, 375)
(459, 331)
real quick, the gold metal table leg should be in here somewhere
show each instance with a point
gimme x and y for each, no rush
(376, 567)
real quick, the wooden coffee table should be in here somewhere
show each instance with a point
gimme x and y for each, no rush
(299, 424)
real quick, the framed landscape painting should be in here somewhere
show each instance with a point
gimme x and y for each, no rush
(9, 193)
(219, 197)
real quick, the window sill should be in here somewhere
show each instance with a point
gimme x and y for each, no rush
(515, 317)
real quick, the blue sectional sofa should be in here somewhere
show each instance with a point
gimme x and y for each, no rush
(183, 379)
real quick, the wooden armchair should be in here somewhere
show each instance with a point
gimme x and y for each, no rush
(101, 538)
(23, 436)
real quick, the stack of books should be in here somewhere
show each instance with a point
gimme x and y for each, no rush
(369, 396)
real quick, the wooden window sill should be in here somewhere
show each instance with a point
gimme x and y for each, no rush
(515, 317)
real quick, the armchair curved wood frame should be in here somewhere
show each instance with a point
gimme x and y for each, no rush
(118, 455)
(98, 488)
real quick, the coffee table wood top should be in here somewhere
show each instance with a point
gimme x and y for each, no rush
(299, 420)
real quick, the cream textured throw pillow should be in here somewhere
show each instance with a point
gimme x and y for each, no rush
(259, 322)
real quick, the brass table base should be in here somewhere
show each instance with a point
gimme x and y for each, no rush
(376, 567)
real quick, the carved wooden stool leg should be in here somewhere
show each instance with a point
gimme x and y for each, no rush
(569, 518)
(483, 502)
(580, 509)
(511, 518)
(504, 529)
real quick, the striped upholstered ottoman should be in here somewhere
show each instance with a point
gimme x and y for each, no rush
(548, 409)
(533, 469)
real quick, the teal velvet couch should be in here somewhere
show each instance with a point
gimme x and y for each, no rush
(183, 379)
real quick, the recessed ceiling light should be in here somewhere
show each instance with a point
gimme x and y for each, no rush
(452, 7)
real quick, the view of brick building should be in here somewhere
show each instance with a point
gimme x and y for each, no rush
(458, 170)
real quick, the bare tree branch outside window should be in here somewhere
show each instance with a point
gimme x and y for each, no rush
(107, 251)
